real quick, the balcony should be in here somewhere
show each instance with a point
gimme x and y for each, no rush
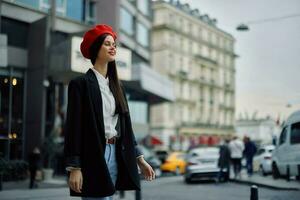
(202, 58)
(223, 106)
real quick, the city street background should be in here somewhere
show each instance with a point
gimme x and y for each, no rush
(193, 81)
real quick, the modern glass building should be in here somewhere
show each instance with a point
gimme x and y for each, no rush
(39, 54)
(31, 97)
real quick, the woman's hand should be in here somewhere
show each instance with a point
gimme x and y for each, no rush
(75, 180)
(146, 169)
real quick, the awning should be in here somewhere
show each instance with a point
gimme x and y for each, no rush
(209, 140)
(148, 85)
(151, 140)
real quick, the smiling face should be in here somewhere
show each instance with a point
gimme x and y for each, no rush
(108, 49)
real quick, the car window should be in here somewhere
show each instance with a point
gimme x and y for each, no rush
(270, 150)
(295, 133)
(180, 156)
(282, 137)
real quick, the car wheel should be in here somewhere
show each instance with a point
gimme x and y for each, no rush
(262, 171)
(288, 173)
(177, 171)
(187, 180)
(275, 171)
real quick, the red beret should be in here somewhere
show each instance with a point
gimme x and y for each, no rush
(91, 35)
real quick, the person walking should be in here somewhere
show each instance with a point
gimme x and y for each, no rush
(34, 162)
(236, 147)
(249, 152)
(224, 162)
(100, 148)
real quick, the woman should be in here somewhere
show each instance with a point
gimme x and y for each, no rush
(100, 148)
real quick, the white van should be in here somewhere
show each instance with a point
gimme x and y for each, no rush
(286, 156)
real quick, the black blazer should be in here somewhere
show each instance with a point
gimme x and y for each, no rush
(85, 141)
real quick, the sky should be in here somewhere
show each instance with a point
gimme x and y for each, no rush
(268, 66)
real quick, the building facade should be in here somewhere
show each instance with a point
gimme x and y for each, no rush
(40, 53)
(262, 131)
(199, 58)
(133, 20)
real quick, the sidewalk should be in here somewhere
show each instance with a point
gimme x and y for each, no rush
(267, 181)
(56, 182)
(56, 189)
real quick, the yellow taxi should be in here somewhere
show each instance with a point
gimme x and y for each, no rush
(174, 163)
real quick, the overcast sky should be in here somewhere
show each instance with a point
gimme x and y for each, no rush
(268, 69)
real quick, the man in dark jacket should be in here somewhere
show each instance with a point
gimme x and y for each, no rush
(34, 159)
(224, 162)
(249, 152)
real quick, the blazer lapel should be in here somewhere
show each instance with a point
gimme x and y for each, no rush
(96, 101)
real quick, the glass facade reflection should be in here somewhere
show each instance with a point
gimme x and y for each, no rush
(142, 35)
(143, 6)
(126, 21)
(80, 10)
(11, 113)
(138, 111)
(4, 102)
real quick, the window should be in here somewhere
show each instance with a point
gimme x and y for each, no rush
(4, 105)
(33, 4)
(11, 117)
(90, 12)
(180, 156)
(138, 111)
(61, 6)
(77, 10)
(17, 32)
(205, 35)
(295, 133)
(200, 33)
(282, 137)
(126, 22)
(142, 35)
(143, 6)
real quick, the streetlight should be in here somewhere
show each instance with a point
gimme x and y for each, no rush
(245, 26)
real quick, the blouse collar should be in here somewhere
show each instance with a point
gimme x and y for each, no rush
(100, 77)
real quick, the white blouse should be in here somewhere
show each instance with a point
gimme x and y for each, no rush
(108, 104)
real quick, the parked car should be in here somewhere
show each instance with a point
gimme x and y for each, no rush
(152, 159)
(262, 161)
(286, 155)
(202, 163)
(174, 163)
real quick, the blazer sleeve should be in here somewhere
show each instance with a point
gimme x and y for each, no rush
(73, 126)
(138, 152)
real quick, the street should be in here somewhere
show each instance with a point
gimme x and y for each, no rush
(165, 188)
(174, 188)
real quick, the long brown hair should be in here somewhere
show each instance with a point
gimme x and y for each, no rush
(112, 74)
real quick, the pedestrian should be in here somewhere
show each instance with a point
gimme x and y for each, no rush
(100, 148)
(224, 162)
(34, 162)
(236, 147)
(249, 152)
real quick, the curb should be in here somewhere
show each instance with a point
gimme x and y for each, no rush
(264, 185)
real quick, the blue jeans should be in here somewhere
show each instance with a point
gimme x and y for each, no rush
(110, 158)
(250, 165)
